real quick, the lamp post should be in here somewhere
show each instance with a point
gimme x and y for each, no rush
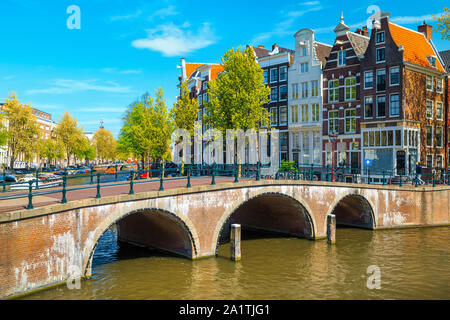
(333, 138)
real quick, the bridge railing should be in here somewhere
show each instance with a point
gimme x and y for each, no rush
(93, 182)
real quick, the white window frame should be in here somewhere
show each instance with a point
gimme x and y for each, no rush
(304, 68)
(376, 37)
(432, 109)
(432, 160)
(287, 115)
(313, 114)
(442, 110)
(390, 105)
(432, 136)
(376, 55)
(373, 113)
(279, 74)
(273, 88)
(442, 160)
(349, 87)
(276, 113)
(426, 83)
(305, 93)
(442, 137)
(380, 70)
(365, 84)
(271, 78)
(333, 89)
(350, 118)
(376, 115)
(441, 81)
(294, 108)
(303, 113)
(266, 79)
(279, 92)
(315, 93)
(342, 55)
(329, 122)
(390, 77)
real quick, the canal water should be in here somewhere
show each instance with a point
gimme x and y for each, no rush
(413, 264)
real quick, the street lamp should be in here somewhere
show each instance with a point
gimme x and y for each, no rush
(333, 137)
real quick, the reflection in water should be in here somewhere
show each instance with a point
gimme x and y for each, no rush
(414, 264)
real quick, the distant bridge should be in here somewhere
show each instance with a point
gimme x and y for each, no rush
(42, 246)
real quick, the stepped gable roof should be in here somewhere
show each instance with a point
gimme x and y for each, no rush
(416, 47)
(445, 55)
(322, 51)
(358, 42)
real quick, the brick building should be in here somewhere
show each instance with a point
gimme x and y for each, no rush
(402, 93)
(445, 56)
(341, 98)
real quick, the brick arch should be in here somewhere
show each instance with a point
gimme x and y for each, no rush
(92, 242)
(302, 205)
(354, 198)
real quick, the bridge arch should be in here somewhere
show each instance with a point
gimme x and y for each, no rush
(180, 227)
(269, 211)
(353, 210)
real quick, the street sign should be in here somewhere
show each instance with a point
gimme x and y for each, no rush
(368, 162)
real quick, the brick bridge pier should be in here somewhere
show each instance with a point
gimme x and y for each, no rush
(43, 246)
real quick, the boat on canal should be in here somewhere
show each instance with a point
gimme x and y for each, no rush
(45, 180)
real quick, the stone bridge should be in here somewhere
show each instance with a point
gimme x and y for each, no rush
(44, 246)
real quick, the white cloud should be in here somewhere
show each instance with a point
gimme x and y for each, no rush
(102, 109)
(172, 40)
(65, 86)
(137, 14)
(164, 12)
(412, 19)
(115, 70)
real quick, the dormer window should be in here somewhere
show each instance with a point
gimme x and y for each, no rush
(432, 61)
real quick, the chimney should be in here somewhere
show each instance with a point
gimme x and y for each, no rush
(365, 31)
(274, 46)
(427, 30)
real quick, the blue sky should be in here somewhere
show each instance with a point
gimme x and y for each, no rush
(127, 47)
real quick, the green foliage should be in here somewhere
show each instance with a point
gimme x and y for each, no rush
(147, 128)
(71, 136)
(105, 144)
(237, 96)
(51, 149)
(287, 166)
(443, 24)
(184, 111)
(23, 130)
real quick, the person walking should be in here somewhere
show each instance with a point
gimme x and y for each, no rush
(419, 173)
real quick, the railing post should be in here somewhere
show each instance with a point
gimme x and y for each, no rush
(139, 171)
(236, 177)
(64, 200)
(258, 171)
(312, 171)
(401, 180)
(368, 176)
(189, 178)
(92, 174)
(161, 175)
(277, 176)
(213, 180)
(384, 180)
(132, 182)
(30, 196)
(448, 179)
(115, 176)
(416, 181)
(4, 181)
(98, 186)
(37, 179)
(434, 179)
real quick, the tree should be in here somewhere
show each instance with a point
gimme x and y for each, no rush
(51, 149)
(237, 96)
(147, 128)
(105, 144)
(23, 130)
(71, 136)
(82, 148)
(443, 24)
(184, 111)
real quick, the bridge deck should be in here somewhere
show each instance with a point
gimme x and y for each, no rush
(115, 189)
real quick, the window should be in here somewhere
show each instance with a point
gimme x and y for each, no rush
(350, 121)
(333, 122)
(394, 104)
(429, 109)
(283, 92)
(273, 116)
(200, 100)
(368, 107)
(432, 61)
(305, 117)
(350, 88)
(381, 106)
(429, 136)
(283, 115)
(304, 89)
(380, 37)
(205, 84)
(205, 98)
(342, 55)
(380, 55)
(315, 112)
(333, 90)
(295, 91)
(274, 94)
(294, 114)
(314, 88)
(368, 80)
(439, 85)
(429, 161)
(394, 76)
(305, 148)
(429, 83)
(304, 51)
(273, 75)
(439, 140)
(283, 73)
(381, 80)
(304, 67)
(266, 76)
(439, 111)
(439, 161)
